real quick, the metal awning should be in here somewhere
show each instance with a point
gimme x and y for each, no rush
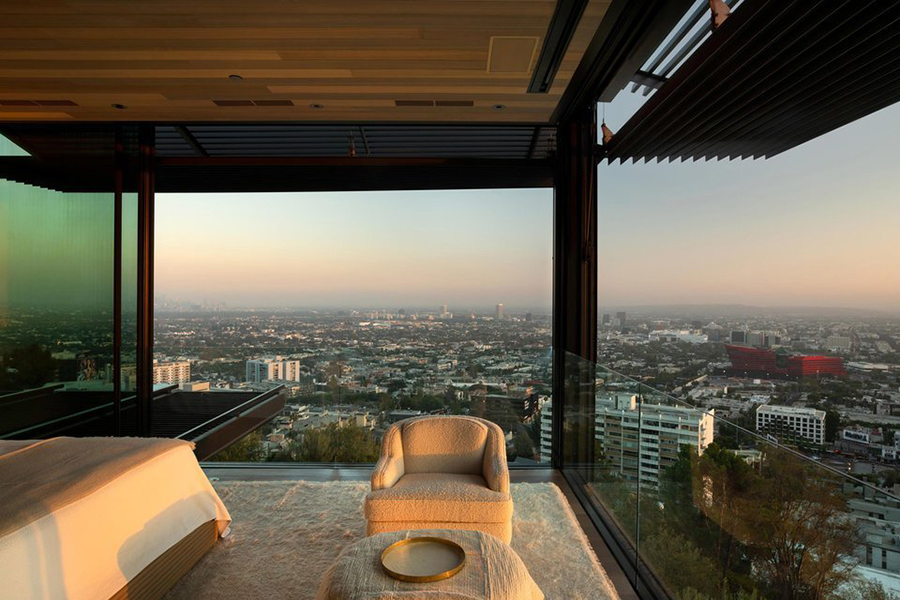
(774, 75)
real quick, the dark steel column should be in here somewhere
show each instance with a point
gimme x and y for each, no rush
(146, 155)
(117, 282)
(575, 290)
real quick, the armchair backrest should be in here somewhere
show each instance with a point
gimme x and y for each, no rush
(446, 444)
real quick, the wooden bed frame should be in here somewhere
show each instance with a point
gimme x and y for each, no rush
(162, 574)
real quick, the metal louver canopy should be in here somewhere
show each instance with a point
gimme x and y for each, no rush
(775, 75)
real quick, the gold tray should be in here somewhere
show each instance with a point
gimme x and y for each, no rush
(423, 559)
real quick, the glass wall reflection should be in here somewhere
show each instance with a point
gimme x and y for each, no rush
(56, 309)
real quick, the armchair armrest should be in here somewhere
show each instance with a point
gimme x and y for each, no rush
(496, 471)
(389, 467)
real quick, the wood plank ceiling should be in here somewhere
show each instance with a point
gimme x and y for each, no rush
(341, 60)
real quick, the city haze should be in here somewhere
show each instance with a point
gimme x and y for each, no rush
(467, 249)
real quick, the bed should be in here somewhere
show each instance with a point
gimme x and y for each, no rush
(102, 517)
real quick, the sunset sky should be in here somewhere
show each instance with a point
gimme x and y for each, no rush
(818, 225)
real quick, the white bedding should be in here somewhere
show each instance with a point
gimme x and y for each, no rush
(92, 547)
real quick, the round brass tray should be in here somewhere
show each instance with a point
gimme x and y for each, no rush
(423, 559)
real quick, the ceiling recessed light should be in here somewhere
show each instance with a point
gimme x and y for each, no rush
(316, 106)
(235, 78)
(498, 106)
(119, 106)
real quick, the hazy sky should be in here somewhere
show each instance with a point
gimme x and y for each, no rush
(468, 249)
(818, 225)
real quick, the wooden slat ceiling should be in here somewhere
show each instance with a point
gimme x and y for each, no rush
(341, 60)
(775, 75)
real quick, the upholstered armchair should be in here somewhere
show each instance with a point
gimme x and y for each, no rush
(441, 472)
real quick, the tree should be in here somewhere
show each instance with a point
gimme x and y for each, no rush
(680, 564)
(27, 367)
(721, 481)
(334, 443)
(832, 423)
(534, 429)
(247, 449)
(797, 530)
(523, 444)
(861, 589)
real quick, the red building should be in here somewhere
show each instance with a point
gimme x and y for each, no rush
(770, 363)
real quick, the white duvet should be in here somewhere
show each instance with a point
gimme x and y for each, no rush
(92, 547)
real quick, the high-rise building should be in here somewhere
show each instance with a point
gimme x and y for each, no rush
(714, 332)
(175, 371)
(642, 444)
(756, 338)
(444, 310)
(770, 339)
(621, 318)
(791, 422)
(605, 320)
(272, 368)
(546, 431)
(500, 311)
(652, 437)
(738, 336)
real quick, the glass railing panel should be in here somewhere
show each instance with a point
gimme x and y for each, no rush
(712, 510)
(600, 443)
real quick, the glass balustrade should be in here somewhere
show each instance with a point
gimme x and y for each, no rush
(704, 508)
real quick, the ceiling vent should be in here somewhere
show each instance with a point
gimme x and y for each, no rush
(511, 54)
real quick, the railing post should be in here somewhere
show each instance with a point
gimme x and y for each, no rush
(575, 290)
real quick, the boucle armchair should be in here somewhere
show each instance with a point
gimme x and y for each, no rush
(441, 472)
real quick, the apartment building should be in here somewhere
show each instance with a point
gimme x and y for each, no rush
(272, 368)
(175, 371)
(640, 444)
(791, 422)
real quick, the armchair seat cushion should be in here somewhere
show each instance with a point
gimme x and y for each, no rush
(444, 497)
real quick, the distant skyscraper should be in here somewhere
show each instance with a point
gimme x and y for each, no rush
(738, 337)
(500, 311)
(606, 318)
(444, 310)
(621, 318)
(529, 316)
(755, 338)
